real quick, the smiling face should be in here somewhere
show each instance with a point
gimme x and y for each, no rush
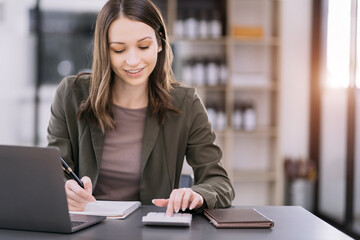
(133, 51)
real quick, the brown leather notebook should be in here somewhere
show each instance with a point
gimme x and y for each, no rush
(237, 218)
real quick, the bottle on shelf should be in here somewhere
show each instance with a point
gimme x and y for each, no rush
(201, 72)
(221, 118)
(223, 72)
(249, 117)
(212, 72)
(203, 25)
(215, 26)
(237, 117)
(191, 25)
(186, 73)
(198, 73)
(179, 26)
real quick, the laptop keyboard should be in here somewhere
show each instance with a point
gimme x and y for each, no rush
(76, 223)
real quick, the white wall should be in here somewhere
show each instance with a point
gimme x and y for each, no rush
(16, 73)
(332, 177)
(295, 77)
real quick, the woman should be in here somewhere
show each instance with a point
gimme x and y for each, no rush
(126, 127)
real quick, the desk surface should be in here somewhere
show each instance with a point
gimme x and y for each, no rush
(291, 222)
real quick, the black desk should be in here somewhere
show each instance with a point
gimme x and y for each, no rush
(291, 223)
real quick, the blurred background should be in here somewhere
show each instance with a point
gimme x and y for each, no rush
(279, 80)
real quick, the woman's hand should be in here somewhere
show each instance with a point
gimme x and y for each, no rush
(182, 198)
(77, 197)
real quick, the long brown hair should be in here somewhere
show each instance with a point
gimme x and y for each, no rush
(97, 107)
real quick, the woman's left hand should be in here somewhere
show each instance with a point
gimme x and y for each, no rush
(182, 198)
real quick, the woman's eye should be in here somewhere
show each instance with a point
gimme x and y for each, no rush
(118, 51)
(143, 48)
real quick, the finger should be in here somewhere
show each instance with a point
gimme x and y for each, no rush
(185, 201)
(74, 197)
(194, 203)
(75, 203)
(77, 209)
(197, 201)
(170, 206)
(178, 199)
(69, 186)
(75, 206)
(88, 185)
(160, 202)
(78, 192)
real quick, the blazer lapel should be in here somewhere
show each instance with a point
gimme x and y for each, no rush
(151, 133)
(97, 138)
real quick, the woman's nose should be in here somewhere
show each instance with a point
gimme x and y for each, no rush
(132, 59)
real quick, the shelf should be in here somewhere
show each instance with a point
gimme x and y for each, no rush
(274, 41)
(208, 41)
(245, 87)
(254, 176)
(210, 88)
(258, 132)
(254, 87)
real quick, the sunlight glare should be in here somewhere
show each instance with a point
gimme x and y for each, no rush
(338, 44)
(357, 81)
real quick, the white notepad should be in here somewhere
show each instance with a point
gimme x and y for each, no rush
(110, 209)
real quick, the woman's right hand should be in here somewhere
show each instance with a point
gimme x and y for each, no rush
(77, 197)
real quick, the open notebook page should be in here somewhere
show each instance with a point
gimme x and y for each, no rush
(110, 209)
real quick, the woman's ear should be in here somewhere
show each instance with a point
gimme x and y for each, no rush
(160, 48)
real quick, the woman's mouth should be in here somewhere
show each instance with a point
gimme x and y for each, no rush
(134, 72)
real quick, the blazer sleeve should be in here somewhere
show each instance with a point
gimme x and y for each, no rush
(58, 134)
(204, 156)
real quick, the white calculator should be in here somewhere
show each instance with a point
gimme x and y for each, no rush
(160, 219)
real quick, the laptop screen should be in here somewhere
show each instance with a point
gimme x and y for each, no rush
(33, 193)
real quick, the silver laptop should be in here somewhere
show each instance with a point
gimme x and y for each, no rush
(33, 193)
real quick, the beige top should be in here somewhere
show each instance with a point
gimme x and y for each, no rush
(119, 176)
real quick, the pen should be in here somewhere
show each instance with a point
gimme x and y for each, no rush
(71, 173)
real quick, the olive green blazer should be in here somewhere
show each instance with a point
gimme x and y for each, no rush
(164, 146)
